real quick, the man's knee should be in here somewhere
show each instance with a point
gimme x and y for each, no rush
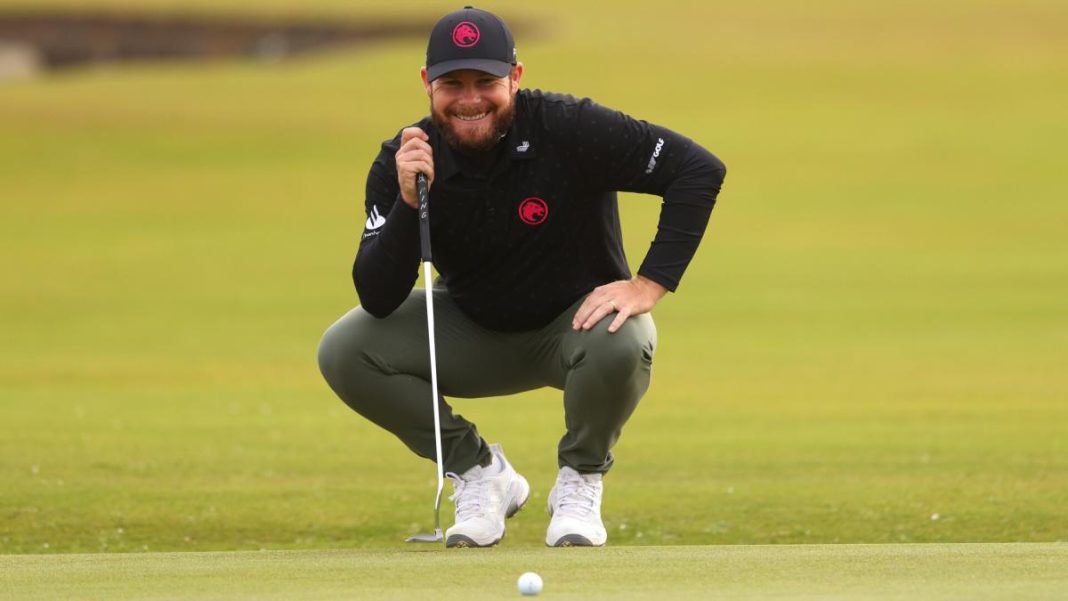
(339, 348)
(624, 352)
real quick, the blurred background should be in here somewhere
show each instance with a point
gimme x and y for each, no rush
(869, 346)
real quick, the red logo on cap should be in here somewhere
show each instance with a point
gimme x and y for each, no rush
(465, 34)
(533, 211)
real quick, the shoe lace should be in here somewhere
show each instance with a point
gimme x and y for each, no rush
(577, 496)
(472, 496)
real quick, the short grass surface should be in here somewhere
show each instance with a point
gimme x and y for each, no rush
(787, 572)
(869, 347)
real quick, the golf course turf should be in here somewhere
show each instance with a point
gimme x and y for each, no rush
(867, 352)
(855, 572)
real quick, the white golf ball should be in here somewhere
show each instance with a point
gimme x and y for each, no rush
(529, 583)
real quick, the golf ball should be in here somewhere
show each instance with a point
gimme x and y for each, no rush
(529, 583)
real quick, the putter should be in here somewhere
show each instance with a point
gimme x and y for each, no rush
(424, 243)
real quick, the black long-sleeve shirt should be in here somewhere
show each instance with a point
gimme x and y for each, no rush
(520, 234)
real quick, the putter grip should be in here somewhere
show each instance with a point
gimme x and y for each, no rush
(424, 216)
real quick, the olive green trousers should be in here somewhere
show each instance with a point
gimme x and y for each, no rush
(381, 369)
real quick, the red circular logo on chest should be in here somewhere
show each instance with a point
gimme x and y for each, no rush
(465, 34)
(533, 211)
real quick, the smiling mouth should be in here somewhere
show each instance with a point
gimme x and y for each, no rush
(475, 117)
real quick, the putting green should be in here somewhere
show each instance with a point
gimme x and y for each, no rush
(784, 572)
(869, 346)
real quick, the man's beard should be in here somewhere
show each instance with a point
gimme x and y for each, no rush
(501, 122)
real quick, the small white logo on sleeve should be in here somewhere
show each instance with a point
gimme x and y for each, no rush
(375, 219)
(525, 146)
(656, 154)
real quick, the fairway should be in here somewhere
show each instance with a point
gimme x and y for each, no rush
(867, 352)
(786, 572)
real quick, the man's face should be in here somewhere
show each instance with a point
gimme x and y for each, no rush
(473, 109)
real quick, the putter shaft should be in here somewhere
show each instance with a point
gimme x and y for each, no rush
(428, 286)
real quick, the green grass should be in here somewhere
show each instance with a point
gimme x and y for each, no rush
(855, 572)
(872, 335)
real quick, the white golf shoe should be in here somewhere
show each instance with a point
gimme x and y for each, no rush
(575, 506)
(485, 497)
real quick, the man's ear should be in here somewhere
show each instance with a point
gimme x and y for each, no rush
(426, 82)
(516, 75)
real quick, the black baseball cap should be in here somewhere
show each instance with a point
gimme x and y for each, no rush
(470, 38)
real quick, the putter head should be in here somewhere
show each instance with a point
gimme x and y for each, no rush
(435, 537)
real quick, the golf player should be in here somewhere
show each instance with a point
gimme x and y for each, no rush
(534, 289)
